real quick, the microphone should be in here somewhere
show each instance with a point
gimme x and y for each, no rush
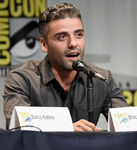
(81, 66)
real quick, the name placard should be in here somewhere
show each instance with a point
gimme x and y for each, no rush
(41, 118)
(122, 119)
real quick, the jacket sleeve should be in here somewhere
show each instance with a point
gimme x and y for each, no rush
(114, 98)
(16, 93)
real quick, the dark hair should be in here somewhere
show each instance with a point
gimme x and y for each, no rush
(56, 12)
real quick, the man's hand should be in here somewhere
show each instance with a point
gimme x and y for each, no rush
(84, 125)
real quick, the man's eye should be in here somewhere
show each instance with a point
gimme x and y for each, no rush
(79, 35)
(61, 37)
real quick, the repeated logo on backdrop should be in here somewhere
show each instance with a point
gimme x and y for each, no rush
(19, 36)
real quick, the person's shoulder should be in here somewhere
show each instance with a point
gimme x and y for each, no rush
(104, 72)
(27, 67)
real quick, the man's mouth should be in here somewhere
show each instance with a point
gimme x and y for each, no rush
(73, 54)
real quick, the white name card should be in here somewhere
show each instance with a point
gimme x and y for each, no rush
(122, 119)
(43, 118)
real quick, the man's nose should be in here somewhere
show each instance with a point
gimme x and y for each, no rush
(72, 43)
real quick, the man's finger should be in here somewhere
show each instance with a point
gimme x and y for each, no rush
(84, 125)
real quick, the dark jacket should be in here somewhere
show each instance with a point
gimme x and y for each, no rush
(34, 84)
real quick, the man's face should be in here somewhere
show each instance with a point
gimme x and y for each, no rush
(65, 42)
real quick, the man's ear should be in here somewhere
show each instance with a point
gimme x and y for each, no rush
(43, 44)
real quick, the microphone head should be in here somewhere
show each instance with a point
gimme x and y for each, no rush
(78, 65)
(81, 66)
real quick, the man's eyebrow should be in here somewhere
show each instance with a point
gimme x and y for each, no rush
(59, 33)
(80, 30)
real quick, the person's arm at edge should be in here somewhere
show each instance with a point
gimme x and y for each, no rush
(115, 98)
(15, 94)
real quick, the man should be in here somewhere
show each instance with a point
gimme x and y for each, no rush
(53, 82)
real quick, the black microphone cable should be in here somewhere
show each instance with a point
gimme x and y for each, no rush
(28, 126)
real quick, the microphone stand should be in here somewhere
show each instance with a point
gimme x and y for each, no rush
(90, 97)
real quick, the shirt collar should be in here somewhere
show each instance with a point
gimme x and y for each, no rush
(45, 71)
(47, 75)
